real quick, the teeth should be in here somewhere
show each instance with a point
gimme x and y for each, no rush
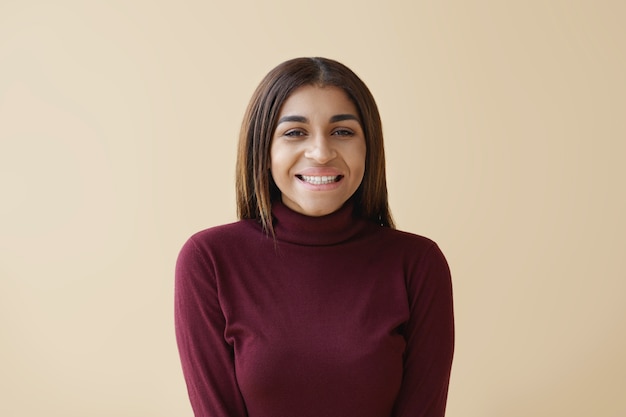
(319, 180)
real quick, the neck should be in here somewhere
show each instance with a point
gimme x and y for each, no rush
(294, 227)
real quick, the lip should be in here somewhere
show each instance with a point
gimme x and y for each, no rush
(320, 187)
(320, 171)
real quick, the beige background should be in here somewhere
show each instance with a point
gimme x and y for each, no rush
(505, 127)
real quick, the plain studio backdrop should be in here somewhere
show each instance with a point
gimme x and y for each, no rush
(505, 129)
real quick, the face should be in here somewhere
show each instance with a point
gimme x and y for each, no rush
(318, 150)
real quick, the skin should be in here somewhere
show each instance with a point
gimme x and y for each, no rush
(318, 150)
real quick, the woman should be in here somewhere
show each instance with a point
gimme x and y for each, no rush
(313, 304)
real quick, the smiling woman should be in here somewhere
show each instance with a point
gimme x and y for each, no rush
(313, 304)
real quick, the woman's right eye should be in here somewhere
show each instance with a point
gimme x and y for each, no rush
(294, 133)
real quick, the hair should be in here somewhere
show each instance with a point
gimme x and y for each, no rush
(255, 188)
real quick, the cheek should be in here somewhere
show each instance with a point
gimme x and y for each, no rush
(279, 164)
(274, 159)
(358, 158)
(361, 167)
(283, 157)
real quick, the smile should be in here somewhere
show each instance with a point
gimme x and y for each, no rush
(321, 179)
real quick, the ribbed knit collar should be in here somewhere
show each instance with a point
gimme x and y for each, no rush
(331, 229)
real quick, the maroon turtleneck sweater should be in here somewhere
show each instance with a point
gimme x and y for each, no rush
(338, 317)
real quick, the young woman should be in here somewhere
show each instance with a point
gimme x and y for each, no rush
(313, 304)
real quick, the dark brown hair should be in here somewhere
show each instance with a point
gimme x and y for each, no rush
(256, 189)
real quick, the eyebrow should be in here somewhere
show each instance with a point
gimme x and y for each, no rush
(341, 117)
(301, 119)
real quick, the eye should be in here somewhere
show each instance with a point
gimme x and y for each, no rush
(343, 132)
(294, 133)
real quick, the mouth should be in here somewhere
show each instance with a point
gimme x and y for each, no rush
(320, 179)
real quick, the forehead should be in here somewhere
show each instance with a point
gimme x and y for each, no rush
(311, 99)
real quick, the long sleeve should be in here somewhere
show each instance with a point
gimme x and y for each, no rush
(207, 360)
(429, 335)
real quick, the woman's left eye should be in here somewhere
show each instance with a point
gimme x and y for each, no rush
(343, 132)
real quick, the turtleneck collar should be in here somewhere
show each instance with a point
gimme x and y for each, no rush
(331, 229)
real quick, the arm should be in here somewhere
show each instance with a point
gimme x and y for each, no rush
(429, 336)
(207, 360)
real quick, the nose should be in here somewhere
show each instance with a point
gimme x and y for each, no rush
(320, 149)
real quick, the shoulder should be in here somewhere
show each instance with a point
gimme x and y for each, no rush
(242, 229)
(400, 239)
(227, 238)
(425, 268)
(408, 237)
(418, 252)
